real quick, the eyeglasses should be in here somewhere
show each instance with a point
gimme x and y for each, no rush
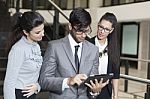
(83, 30)
(106, 30)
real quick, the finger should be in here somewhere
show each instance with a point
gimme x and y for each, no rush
(85, 76)
(82, 76)
(107, 81)
(78, 79)
(27, 88)
(88, 85)
(25, 91)
(96, 82)
(30, 85)
(78, 82)
(92, 83)
(28, 95)
(101, 81)
(104, 84)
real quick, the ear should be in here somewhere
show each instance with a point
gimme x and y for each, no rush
(70, 27)
(25, 32)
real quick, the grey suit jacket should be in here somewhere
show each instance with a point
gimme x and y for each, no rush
(59, 64)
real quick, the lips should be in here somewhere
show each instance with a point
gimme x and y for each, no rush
(101, 35)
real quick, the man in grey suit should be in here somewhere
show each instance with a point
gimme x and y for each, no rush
(60, 74)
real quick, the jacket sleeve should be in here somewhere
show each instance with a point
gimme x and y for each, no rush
(15, 60)
(47, 79)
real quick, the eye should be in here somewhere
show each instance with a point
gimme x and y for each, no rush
(107, 29)
(38, 32)
(100, 27)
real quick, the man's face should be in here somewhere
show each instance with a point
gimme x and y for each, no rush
(80, 34)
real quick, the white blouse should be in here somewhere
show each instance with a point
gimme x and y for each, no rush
(103, 60)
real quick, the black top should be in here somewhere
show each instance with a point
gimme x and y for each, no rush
(106, 92)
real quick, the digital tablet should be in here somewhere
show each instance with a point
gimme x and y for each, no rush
(98, 77)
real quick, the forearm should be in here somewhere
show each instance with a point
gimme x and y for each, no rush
(53, 84)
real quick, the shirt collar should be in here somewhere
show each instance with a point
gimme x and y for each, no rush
(25, 39)
(73, 42)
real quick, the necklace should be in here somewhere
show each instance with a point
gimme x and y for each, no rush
(103, 52)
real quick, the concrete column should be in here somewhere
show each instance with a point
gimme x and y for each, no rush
(21, 4)
(15, 3)
(144, 44)
(69, 4)
(77, 3)
(93, 5)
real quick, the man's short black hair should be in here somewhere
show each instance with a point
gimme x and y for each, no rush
(80, 18)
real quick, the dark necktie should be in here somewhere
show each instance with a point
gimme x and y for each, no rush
(76, 58)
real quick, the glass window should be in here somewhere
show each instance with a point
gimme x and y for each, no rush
(26, 4)
(84, 3)
(107, 2)
(130, 39)
(125, 1)
(140, 0)
(63, 4)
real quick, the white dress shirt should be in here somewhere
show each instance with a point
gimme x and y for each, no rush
(73, 43)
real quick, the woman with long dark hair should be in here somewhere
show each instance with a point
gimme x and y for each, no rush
(24, 59)
(109, 54)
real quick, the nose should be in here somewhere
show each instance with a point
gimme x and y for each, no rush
(84, 35)
(102, 31)
(42, 33)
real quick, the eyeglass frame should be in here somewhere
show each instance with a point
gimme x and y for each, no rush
(106, 30)
(81, 31)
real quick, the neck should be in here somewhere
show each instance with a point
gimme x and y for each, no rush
(102, 42)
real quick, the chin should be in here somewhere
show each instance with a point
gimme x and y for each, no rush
(39, 39)
(81, 40)
(101, 37)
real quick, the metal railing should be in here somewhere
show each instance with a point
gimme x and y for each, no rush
(133, 78)
(58, 9)
(137, 79)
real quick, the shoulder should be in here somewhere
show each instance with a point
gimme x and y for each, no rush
(55, 42)
(91, 40)
(91, 45)
(19, 46)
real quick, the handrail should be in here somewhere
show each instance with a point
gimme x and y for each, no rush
(134, 59)
(3, 58)
(128, 77)
(58, 9)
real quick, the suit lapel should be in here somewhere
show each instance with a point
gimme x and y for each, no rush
(83, 54)
(67, 48)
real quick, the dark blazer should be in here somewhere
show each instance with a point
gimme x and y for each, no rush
(59, 64)
(106, 92)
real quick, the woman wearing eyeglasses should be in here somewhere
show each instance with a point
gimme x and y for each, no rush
(109, 54)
